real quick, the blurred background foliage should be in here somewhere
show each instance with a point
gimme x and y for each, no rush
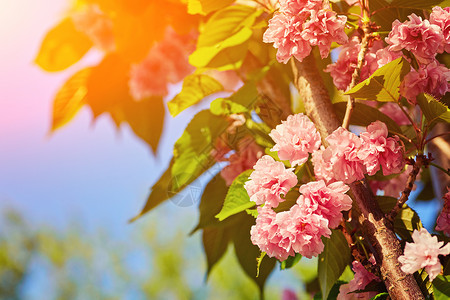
(74, 263)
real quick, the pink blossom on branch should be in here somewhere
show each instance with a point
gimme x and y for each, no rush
(324, 28)
(393, 111)
(423, 253)
(423, 39)
(441, 17)
(379, 150)
(443, 220)
(431, 79)
(295, 138)
(325, 200)
(359, 282)
(268, 181)
(339, 162)
(295, 7)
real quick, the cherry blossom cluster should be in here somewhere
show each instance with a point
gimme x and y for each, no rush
(359, 282)
(300, 24)
(318, 208)
(393, 186)
(422, 38)
(96, 25)
(443, 220)
(167, 61)
(423, 253)
(349, 157)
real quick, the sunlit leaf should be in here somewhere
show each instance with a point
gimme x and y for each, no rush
(237, 199)
(69, 99)
(441, 287)
(381, 296)
(242, 101)
(192, 150)
(363, 115)
(290, 261)
(383, 85)
(247, 253)
(332, 261)
(195, 88)
(433, 110)
(63, 46)
(204, 7)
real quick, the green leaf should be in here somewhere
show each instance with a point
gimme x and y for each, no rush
(290, 261)
(363, 115)
(406, 221)
(195, 88)
(215, 243)
(252, 212)
(242, 101)
(334, 292)
(223, 43)
(211, 202)
(69, 99)
(247, 253)
(383, 85)
(332, 261)
(192, 150)
(433, 110)
(441, 287)
(159, 192)
(381, 296)
(237, 199)
(259, 261)
(204, 7)
(63, 46)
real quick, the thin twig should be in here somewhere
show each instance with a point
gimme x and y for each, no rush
(419, 162)
(431, 138)
(357, 71)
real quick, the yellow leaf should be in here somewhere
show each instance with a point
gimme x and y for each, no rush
(204, 7)
(62, 47)
(69, 99)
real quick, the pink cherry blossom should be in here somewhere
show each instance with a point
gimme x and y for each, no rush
(268, 181)
(423, 39)
(295, 138)
(394, 186)
(432, 79)
(393, 111)
(423, 253)
(96, 25)
(443, 220)
(339, 162)
(385, 56)
(244, 159)
(149, 77)
(285, 233)
(379, 150)
(324, 28)
(359, 282)
(342, 70)
(328, 201)
(295, 7)
(441, 17)
(284, 32)
(289, 294)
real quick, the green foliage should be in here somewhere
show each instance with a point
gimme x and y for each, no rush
(195, 88)
(332, 261)
(363, 115)
(433, 110)
(215, 243)
(406, 221)
(381, 296)
(240, 102)
(441, 287)
(383, 85)
(247, 254)
(192, 150)
(223, 43)
(69, 99)
(290, 261)
(237, 199)
(204, 7)
(63, 46)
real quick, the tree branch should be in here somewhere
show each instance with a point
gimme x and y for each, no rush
(419, 162)
(377, 230)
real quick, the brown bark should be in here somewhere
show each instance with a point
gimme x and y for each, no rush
(377, 230)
